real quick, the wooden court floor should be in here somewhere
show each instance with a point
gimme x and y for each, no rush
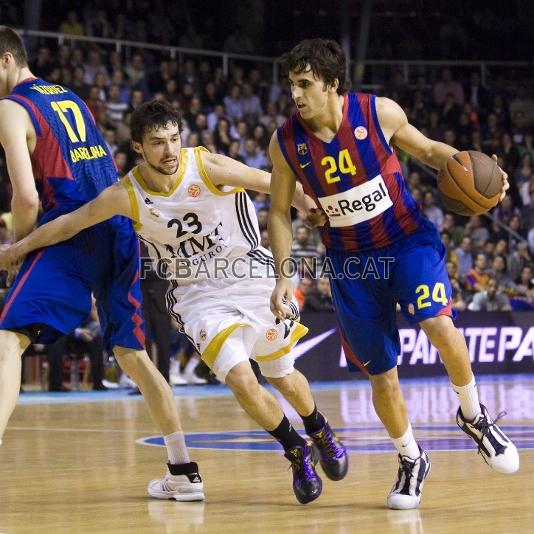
(77, 463)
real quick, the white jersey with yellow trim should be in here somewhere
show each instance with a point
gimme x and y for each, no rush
(197, 231)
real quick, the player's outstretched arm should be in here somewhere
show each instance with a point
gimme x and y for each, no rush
(25, 200)
(399, 132)
(280, 233)
(223, 170)
(112, 201)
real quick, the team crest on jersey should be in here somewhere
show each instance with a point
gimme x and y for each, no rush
(271, 334)
(193, 190)
(154, 212)
(360, 132)
(203, 335)
(302, 149)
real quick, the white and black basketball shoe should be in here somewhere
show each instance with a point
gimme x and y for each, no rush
(406, 492)
(493, 445)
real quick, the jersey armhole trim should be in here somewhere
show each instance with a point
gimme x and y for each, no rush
(206, 179)
(378, 127)
(27, 106)
(283, 150)
(133, 202)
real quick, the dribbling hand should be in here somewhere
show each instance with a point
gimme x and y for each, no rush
(505, 184)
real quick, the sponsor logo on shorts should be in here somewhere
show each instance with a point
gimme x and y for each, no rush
(358, 204)
(193, 190)
(154, 212)
(203, 335)
(271, 334)
(360, 132)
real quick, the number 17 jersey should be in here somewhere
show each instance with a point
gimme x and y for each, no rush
(71, 161)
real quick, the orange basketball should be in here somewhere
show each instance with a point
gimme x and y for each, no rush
(470, 183)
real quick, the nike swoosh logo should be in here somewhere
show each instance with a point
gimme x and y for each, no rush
(304, 346)
(367, 363)
(305, 165)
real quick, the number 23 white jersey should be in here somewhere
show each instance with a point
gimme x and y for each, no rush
(196, 230)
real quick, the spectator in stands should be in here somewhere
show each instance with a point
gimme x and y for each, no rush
(518, 259)
(478, 233)
(71, 25)
(319, 299)
(447, 242)
(135, 70)
(498, 272)
(253, 155)
(272, 114)
(263, 215)
(523, 103)
(302, 290)
(458, 301)
(525, 282)
(446, 85)
(477, 278)
(98, 25)
(527, 211)
(115, 108)
(232, 103)
(524, 171)
(456, 232)
(93, 66)
(96, 105)
(490, 299)
(250, 104)
(302, 246)
(222, 137)
(464, 255)
(476, 94)
(264, 239)
(433, 212)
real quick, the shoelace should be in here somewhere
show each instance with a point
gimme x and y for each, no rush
(327, 442)
(301, 466)
(407, 467)
(484, 426)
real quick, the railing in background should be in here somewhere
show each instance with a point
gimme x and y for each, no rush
(376, 68)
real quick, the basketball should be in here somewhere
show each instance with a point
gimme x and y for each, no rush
(470, 183)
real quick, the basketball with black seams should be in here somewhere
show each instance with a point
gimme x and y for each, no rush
(470, 183)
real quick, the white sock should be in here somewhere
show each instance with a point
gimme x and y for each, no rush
(468, 396)
(406, 444)
(176, 449)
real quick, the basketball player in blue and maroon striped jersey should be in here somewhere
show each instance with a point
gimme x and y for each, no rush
(382, 248)
(56, 155)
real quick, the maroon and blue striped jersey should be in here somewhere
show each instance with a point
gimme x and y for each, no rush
(355, 178)
(71, 161)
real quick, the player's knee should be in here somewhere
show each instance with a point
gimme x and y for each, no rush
(440, 331)
(129, 359)
(386, 387)
(242, 380)
(285, 384)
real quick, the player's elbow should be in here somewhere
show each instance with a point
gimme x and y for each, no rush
(28, 201)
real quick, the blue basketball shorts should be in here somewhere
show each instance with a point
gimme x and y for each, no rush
(368, 285)
(54, 285)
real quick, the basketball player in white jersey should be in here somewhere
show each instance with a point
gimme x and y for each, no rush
(200, 227)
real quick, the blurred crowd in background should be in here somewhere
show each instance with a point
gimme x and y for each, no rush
(489, 258)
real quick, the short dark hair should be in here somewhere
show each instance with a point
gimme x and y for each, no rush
(150, 115)
(11, 42)
(325, 58)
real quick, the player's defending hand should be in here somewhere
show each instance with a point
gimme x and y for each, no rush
(315, 217)
(10, 261)
(505, 184)
(283, 292)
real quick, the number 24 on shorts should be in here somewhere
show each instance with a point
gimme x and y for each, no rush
(438, 295)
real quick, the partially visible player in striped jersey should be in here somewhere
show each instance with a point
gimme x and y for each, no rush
(190, 208)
